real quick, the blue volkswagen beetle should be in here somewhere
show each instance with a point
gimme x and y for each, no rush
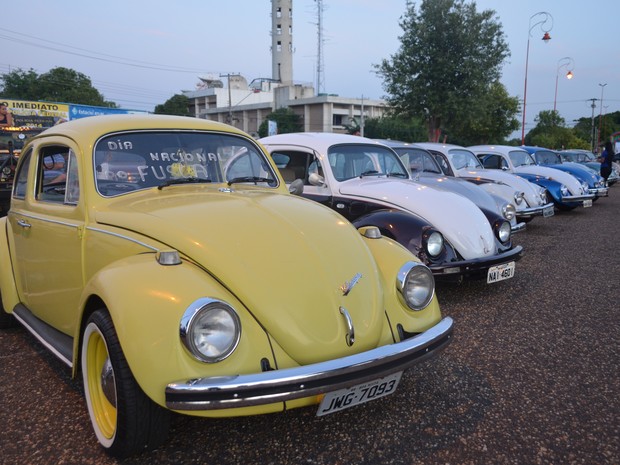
(552, 159)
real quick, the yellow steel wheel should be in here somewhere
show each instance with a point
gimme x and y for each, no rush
(99, 384)
(125, 420)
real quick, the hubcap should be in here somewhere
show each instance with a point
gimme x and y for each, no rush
(107, 382)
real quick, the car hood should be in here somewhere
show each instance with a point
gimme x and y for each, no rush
(460, 221)
(515, 183)
(284, 257)
(573, 185)
(579, 171)
(459, 186)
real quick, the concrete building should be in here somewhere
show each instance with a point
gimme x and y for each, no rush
(230, 99)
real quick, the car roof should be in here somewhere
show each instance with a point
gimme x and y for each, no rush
(89, 129)
(320, 141)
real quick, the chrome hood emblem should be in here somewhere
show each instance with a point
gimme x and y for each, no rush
(348, 285)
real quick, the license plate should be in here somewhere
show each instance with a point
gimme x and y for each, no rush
(356, 395)
(501, 272)
(587, 203)
(547, 212)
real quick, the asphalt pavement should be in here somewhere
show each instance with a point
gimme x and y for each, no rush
(531, 377)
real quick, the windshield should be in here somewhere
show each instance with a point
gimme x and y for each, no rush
(358, 160)
(140, 160)
(464, 159)
(547, 157)
(521, 158)
(418, 160)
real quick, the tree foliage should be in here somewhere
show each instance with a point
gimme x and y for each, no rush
(449, 56)
(287, 120)
(551, 132)
(177, 105)
(395, 128)
(57, 85)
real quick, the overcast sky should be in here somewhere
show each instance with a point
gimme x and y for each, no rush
(139, 53)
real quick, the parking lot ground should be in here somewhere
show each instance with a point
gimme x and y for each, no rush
(531, 378)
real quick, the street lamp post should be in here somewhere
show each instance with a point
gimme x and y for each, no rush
(600, 118)
(562, 62)
(545, 17)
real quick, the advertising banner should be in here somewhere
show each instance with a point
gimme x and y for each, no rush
(36, 114)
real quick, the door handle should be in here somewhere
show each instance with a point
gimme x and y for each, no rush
(24, 224)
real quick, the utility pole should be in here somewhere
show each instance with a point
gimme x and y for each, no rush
(600, 118)
(593, 100)
(230, 116)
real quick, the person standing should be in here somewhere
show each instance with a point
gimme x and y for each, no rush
(605, 159)
(6, 118)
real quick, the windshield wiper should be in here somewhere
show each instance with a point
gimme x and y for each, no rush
(254, 179)
(370, 173)
(397, 174)
(171, 182)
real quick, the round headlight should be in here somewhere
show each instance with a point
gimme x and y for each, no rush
(519, 197)
(542, 193)
(416, 285)
(564, 190)
(509, 211)
(585, 188)
(503, 233)
(434, 244)
(210, 330)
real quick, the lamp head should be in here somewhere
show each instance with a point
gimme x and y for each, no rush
(569, 75)
(546, 38)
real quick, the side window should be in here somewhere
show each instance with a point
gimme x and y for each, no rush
(57, 176)
(19, 186)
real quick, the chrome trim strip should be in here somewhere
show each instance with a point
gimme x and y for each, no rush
(120, 236)
(42, 218)
(222, 392)
(577, 198)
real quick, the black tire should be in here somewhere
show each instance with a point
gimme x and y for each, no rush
(125, 420)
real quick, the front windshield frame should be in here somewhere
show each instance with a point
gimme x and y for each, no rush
(462, 159)
(130, 161)
(547, 157)
(418, 160)
(349, 161)
(521, 158)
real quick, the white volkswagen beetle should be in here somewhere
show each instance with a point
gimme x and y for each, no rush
(529, 200)
(367, 183)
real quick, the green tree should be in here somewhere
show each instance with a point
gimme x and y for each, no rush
(490, 119)
(57, 85)
(395, 128)
(178, 105)
(287, 120)
(551, 132)
(449, 55)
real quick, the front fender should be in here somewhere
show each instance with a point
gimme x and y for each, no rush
(406, 229)
(146, 301)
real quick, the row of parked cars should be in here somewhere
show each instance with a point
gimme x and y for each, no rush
(178, 265)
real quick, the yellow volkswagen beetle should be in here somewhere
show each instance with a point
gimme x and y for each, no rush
(164, 261)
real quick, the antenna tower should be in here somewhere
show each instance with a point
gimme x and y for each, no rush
(320, 64)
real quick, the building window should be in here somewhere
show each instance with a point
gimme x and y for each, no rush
(337, 120)
(279, 12)
(279, 46)
(279, 29)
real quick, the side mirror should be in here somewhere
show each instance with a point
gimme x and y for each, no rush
(316, 180)
(296, 187)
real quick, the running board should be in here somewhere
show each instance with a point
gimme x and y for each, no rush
(58, 343)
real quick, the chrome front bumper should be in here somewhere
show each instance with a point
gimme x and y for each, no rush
(531, 212)
(599, 191)
(224, 392)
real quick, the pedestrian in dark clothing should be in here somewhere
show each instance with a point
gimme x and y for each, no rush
(606, 159)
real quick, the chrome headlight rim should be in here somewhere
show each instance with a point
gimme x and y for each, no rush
(519, 197)
(434, 243)
(199, 312)
(509, 211)
(416, 286)
(564, 191)
(504, 232)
